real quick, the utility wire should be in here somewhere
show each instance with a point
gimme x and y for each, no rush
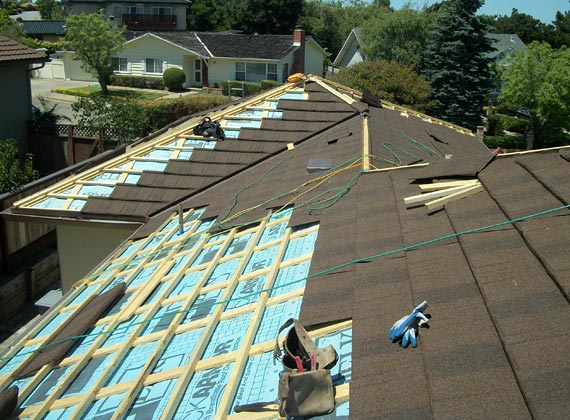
(314, 275)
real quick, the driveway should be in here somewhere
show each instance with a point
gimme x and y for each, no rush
(45, 88)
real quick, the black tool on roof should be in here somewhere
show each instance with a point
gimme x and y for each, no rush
(208, 128)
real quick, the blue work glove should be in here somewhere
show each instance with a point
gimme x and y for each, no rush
(405, 328)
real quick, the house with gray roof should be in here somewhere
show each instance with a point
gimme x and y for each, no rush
(322, 205)
(209, 58)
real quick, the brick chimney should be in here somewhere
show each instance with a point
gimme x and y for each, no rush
(299, 54)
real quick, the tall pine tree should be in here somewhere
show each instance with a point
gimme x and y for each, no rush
(456, 65)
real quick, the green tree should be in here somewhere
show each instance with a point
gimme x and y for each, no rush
(330, 22)
(456, 65)
(49, 9)
(265, 16)
(561, 34)
(525, 26)
(94, 41)
(539, 81)
(14, 172)
(125, 118)
(208, 15)
(9, 27)
(400, 36)
(389, 81)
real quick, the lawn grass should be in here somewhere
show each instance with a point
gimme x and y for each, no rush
(122, 93)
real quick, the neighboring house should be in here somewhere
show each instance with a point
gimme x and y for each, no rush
(167, 15)
(350, 53)
(207, 58)
(503, 46)
(27, 15)
(46, 30)
(16, 63)
(301, 213)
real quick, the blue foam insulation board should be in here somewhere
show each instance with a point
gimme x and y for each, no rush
(86, 342)
(177, 352)
(228, 336)
(162, 318)
(187, 283)
(96, 190)
(203, 394)
(261, 259)
(122, 331)
(246, 292)
(290, 278)
(143, 276)
(275, 316)
(132, 364)
(260, 378)
(300, 246)
(45, 387)
(273, 232)
(53, 324)
(223, 272)
(62, 414)
(259, 381)
(151, 401)
(238, 244)
(203, 306)
(104, 408)
(88, 375)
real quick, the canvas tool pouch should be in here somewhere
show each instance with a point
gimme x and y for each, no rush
(298, 343)
(307, 393)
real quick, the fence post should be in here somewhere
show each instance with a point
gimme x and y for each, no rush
(100, 142)
(70, 154)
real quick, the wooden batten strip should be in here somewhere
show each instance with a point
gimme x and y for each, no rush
(209, 328)
(466, 192)
(243, 353)
(434, 194)
(449, 184)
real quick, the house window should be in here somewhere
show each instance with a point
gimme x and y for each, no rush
(137, 9)
(162, 11)
(120, 64)
(240, 71)
(117, 13)
(153, 65)
(272, 72)
(255, 72)
(285, 72)
(197, 71)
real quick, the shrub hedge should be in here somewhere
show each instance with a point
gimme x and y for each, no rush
(174, 78)
(498, 122)
(269, 84)
(165, 111)
(142, 82)
(504, 141)
(249, 87)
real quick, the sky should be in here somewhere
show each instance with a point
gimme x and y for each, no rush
(544, 10)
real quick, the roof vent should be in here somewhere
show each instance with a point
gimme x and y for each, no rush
(319, 164)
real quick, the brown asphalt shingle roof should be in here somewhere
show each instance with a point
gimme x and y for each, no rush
(497, 346)
(499, 298)
(12, 51)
